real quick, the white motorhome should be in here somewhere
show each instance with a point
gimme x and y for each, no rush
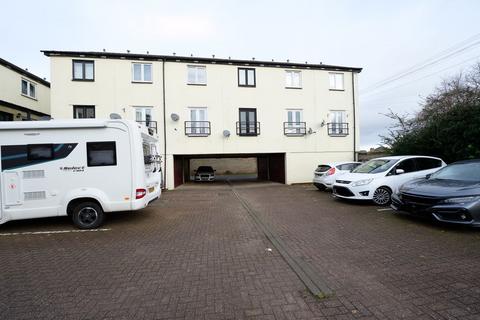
(81, 168)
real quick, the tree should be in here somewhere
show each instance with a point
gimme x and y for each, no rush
(447, 126)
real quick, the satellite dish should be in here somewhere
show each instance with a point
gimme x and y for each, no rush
(175, 117)
(226, 133)
(115, 116)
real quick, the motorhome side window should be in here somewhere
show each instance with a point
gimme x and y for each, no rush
(101, 154)
(39, 152)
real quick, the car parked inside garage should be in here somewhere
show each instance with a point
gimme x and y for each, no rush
(378, 178)
(451, 194)
(326, 174)
(205, 173)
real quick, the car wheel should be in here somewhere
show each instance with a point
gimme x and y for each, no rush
(87, 215)
(382, 196)
(321, 187)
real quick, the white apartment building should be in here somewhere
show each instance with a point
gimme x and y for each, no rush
(289, 117)
(23, 95)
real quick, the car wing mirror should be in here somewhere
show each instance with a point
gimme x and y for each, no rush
(399, 171)
(428, 176)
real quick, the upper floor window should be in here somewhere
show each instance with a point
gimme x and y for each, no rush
(83, 70)
(338, 125)
(83, 112)
(141, 72)
(336, 81)
(294, 125)
(29, 89)
(198, 124)
(293, 79)
(246, 77)
(197, 75)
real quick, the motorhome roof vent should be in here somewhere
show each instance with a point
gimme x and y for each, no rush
(115, 116)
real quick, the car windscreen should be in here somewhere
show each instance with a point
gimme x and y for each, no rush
(375, 166)
(461, 171)
(322, 168)
(205, 169)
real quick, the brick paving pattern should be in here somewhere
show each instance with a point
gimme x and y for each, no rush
(196, 254)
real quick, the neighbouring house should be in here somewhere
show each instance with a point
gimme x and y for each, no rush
(290, 117)
(23, 95)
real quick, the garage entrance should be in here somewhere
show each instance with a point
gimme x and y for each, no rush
(238, 167)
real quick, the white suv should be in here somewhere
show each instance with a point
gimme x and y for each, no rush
(378, 178)
(326, 174)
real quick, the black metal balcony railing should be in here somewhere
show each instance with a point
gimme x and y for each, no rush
(292, 129)
(337, 129)
(151, 125)
(197, 128)
(248, 128)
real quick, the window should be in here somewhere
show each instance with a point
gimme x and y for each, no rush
(248, 125)
(246, 77)
(101, 154)
(293, 79)
(407, 165)
(338, 123)
(336, 81)
(197, 75)
(198, 124)
(28, 89)
(428, 163)
(83, 112)
(4, 116)
(143, 114)
(348, 166)
(294, 124)
(83, 70)
(141, 72)
(39, 152)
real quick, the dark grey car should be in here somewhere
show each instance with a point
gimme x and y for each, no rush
(451, 194)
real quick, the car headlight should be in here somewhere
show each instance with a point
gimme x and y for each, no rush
(461, 200)
(361, 182)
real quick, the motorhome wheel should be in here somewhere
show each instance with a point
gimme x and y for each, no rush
(87, 215)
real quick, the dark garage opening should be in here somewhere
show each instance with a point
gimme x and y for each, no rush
(247, 167)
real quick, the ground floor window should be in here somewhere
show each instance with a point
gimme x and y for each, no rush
(5, 116)
(83, 112)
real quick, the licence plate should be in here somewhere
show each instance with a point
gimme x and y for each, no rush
(151, 189)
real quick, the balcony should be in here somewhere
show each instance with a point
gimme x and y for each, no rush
(248, 128)
(151, 125)
(197, 128)
(337, 129)
(294, 129)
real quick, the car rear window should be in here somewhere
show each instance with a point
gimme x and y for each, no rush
(428, 163)
(460, 171)
(322, 168)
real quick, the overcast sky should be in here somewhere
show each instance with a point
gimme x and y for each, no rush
(384, 37)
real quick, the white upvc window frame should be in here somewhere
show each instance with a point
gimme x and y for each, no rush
(142, 72)
(198, 127)
(294, 127)
(197, 79)
(337, 81)
(289, 79)
(337, 129)
(30, 85)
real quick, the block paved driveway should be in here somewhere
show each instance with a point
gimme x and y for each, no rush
(198, 254)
